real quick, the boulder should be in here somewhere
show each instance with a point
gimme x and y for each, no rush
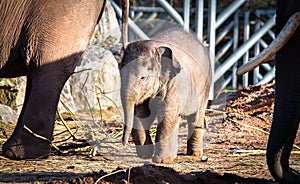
(107, 33)
(96, 81)
(7, 114)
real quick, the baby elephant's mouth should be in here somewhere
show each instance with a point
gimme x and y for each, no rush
(146, 112)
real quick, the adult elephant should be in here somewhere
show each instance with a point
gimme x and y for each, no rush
(287, 100)
(43, 40)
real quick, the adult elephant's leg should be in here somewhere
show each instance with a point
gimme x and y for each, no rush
(38, 114)
(286, 114)
(20, 123)
(282, 135)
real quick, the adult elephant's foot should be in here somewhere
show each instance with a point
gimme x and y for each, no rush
(25, 145)
(160, 160)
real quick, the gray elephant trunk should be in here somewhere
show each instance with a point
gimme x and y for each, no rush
(128, 102)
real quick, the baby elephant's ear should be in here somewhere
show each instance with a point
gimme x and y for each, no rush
(170, 66)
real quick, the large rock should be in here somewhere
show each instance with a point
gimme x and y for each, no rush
(7, 114)
(107, 33)
(97, 76)
(95, 82)
(21, 86)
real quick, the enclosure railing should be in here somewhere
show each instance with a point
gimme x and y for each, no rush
(232, 35)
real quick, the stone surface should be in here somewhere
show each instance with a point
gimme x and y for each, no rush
(7, 114)
(21, 86)
(97, 78)
(108, 32)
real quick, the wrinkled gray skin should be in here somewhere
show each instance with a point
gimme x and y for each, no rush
(44, 40)
(165, 78)
(286, 116)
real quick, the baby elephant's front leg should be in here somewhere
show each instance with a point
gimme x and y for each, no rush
(143, 120)
(166, 141)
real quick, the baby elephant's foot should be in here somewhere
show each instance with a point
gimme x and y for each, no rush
(145, 151)
(195, 153)
(198, 153)
(167, 160)
(24, 145)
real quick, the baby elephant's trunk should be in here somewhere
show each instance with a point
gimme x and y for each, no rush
(128, 107)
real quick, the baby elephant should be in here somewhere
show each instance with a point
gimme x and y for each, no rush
(165, 78)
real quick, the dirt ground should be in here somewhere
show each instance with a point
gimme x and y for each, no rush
(235, 146)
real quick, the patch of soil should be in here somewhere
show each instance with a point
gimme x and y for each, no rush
(235, 146)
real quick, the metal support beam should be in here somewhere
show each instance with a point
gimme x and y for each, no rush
(224, 32)
(186, 15)
(171, 11)
(243, 48)
(131, 24)
(199, 19)
(227, 12)
(267, 77)
(246, 37)
(235, 46)
(224, 49)
(212, 41)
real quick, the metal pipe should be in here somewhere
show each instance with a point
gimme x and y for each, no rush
(224, 49)
(199, 19)
(212, 41)
(171, 11)
(137, 16)
(227, 12)
(243, 48)
(246, 37)
(186, 15)
(226, 81)
(157, 9)
(235, 46)
(148, 19)
(265, 45)
(268, 77)
(224, 32)
(159, 25)
(131, 24)
(256, 72)
(148, 9)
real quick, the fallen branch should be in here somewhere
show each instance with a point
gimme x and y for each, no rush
(66, 125)
(216, 111)
(40, 137)
(109, 174)
(248, 126)
(4, 158)
(255, 152)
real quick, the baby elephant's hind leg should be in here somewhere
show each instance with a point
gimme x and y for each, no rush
(196, 131)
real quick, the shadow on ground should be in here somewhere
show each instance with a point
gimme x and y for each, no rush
(144, 174)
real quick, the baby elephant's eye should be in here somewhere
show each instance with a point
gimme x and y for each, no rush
(143, 79)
